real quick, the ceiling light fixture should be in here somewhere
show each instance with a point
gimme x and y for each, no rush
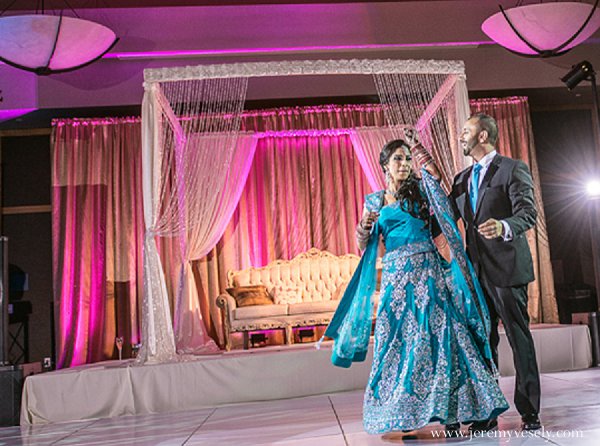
(47, 44)
(543, 29)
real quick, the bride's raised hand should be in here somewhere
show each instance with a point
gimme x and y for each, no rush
(411, 136)
(422, 156)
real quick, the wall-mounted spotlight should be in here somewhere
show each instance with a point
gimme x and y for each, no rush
(584, 71)
(579, 72)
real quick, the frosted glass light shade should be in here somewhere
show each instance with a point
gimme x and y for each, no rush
(48, 44)
(546, 26)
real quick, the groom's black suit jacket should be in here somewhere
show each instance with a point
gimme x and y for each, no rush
(505, 193)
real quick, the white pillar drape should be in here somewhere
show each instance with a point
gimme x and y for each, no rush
(195, 164)
(227, 172)
(158, 342)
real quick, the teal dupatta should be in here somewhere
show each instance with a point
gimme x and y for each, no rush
(350, 326)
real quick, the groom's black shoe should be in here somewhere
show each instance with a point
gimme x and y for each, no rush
(531, 422)
(484, 425)
(452, 430)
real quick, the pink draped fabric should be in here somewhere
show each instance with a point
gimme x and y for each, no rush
(322, 117)
(367, 144)
(218, 205)
(302, 191)
(97, 237)
(82, 226)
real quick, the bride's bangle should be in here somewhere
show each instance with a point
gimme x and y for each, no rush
(360, 228)
(423, 156)
(362, 233)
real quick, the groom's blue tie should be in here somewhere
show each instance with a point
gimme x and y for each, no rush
(475, 185)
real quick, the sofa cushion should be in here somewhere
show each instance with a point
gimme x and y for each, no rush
(313, 307)
(258, 311)
(250, 295)
(340, 290)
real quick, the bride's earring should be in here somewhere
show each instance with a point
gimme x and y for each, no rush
(388, 177)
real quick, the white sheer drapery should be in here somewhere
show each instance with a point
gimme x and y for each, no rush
(436, 104)
(189, 186)
(223, 177)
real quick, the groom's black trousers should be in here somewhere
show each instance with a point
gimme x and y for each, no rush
(510, 306)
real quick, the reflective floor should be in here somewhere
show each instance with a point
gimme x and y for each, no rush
(570, 414)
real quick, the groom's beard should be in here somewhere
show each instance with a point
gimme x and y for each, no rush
(470, 145)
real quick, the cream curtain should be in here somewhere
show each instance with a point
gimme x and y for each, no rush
(158, 341)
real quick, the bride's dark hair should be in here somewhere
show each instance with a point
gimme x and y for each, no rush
(409, 195)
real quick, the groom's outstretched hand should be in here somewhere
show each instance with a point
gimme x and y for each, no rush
(491, 229)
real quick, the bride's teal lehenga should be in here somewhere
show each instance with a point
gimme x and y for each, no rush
(431, 359)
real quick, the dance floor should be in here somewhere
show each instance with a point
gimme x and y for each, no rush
(570, 413)
(273, 395)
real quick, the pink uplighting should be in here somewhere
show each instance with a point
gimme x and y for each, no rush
(297, 49)
(75, 122)
(302, 133)
(14, 113)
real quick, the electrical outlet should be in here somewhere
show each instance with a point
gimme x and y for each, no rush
(47, 363)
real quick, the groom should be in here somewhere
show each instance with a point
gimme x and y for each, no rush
(494, 197)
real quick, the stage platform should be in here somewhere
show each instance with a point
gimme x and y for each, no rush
(118, 388)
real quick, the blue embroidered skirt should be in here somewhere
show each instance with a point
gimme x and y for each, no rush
(426, 365)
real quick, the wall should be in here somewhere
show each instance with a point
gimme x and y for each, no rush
(26, 221)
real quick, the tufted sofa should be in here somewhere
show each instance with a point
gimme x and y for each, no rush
(319, 278)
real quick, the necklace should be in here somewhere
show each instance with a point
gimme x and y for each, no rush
(394, 197)
(389, 192)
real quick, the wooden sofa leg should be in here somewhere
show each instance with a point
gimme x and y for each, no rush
(289, 335)
(246, 340)
(222, 304)
(227, 339)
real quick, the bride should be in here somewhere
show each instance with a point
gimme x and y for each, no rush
(432, 359)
